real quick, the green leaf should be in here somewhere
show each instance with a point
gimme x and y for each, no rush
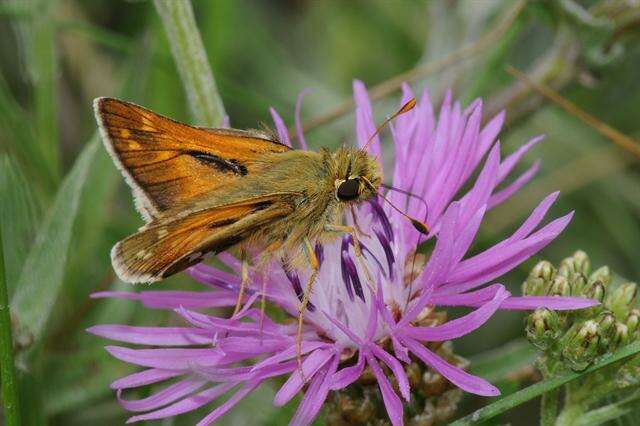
(18, 136)
(492, 410)
(43, 271)
(19, 213)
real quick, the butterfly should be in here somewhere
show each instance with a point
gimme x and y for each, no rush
(202, 191)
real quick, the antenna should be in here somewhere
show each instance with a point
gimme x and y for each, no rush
(417, 224)
(404, 108)
(410, 194)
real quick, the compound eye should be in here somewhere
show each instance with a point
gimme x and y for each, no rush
(348, 190)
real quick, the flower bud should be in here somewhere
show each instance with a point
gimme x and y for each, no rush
(582, 262)
(578, 284)
(538, 279)
(602, 274)
(632, 320)
(559, 287)
(544, 270)
(622, 299)
(579, 263)
(606, 326)
(620, 336)
(582, 345)
(595, 291)
(543, 328)
(533, 287)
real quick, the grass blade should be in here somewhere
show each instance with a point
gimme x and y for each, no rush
(19, 215)
(43, 271)
(191, 60)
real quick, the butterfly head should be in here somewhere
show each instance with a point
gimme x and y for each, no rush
(357, 175)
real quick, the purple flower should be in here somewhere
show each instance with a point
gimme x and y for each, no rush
(350, 315)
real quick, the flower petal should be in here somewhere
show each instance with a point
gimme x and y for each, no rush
(281, 128)
(365, 126)
(558, 303)
(167, 358)
(229, 404)
(493, 263)
(294, 383)
(315, 395)
(158, 336)
(348, 375)
(185, 405)
(505, 193)
(299, 133)
(163, 397)
(391, 401)
(396, 368)
(455, 375)
(460, 326)
(146, 377)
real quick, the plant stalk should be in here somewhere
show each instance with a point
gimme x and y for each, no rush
(191, 59)
(7, 366)
(549, 408)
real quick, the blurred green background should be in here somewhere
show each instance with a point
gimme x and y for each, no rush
(63, 205)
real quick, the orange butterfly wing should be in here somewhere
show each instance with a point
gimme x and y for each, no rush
(161, 249)
(168, 163)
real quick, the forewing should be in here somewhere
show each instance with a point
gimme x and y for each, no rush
(161, 249)
(168, 163)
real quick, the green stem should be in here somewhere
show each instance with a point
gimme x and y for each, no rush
(191, 60)
(573, 402)
(570, 415)
(7, 366)
(492, 410)
(549, 408)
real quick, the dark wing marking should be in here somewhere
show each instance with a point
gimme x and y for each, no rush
(168, 163)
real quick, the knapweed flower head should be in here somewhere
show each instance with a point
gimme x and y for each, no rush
(357, 321)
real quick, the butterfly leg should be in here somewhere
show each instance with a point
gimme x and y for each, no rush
(357, 248)
(243, 281)
(315, 265)
(264, 266)
(356, 225)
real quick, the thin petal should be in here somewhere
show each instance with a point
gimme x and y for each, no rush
(299, 133)
(558, 303)
(146, 377)
(505, 193)
(494, 263)
(455, 375)
(163, 397)
(460, 326)
(157, 336)
(293, 385)
(185, 405)
(509, 163)
(229, 404)
(396, 368)
(289, 353)
(281, 128)
(391, 401)
(167, 358)
(315, 394)
(348, 375)
(441, 297)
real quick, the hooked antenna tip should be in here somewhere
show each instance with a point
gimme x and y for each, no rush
(420, 226)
